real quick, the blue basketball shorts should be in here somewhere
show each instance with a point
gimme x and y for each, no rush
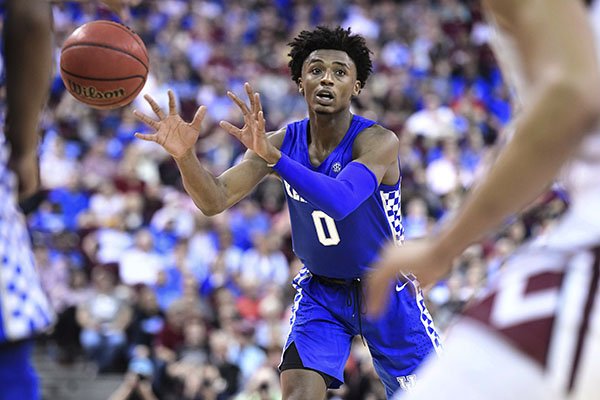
(326, 316)
(18, 379)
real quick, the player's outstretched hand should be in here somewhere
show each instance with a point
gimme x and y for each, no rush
(173, 133)
(252, 134)
(419, 257)
(121, 7)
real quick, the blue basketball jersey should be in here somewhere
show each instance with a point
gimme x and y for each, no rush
(24, 309)
(342, 249)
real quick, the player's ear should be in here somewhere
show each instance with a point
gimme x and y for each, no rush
(357, 88)
(300, 88)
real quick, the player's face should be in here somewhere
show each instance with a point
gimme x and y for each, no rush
(329, 81)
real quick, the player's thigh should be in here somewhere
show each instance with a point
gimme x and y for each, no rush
(321, 339)
(302, 384)
(402, 338)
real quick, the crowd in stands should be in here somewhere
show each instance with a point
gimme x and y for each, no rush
(194, 307)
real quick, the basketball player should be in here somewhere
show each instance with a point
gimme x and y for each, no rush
(536, 333)
(24, 309)
(342, 180)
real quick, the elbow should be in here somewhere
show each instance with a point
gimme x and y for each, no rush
(339, 214)
(588, 100)
(209, 211)
(592, 108)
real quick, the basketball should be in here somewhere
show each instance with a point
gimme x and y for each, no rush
(104, 64)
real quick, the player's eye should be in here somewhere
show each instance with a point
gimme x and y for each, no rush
(315, 71)
(340, 72)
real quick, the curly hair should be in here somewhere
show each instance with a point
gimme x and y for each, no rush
(334, 39)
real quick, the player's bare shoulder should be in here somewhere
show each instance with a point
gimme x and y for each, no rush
(377, 148)
(376, 139)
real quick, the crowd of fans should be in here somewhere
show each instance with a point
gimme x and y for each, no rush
(192, 307)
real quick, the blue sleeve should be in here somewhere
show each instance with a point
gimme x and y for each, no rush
(337, 197)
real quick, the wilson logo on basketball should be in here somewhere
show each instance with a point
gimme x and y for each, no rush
(91, 92)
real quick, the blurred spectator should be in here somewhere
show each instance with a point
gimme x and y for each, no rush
(264, 262)
(71, 199)
(188, 368)
(107, 204)
(202, 246)
(244, 352)
(67, 330)
(218, 357)
(103, 320)
(246, 221)
(263, 385)
(147, 320)
(166, 344)
(57, 167)
(416, 221)
(271, 328)
(434, 121)
(169, 281)
(96, 166)
(444, 173)
(138, 377)
(141, 264)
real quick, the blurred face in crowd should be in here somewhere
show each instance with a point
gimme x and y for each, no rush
(147, 299)
(195, 333)
(144, 240)
(104, 281)
(329, 81)
(176, 315)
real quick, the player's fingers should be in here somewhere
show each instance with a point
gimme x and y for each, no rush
(155, 107)
(172, 103)
(124, 14)
(239, 103)
(231, 129)
(261, 121)
(146, 137)
(258, 103)
(251, 96)
(146, 119)
(198, 118)
(118, 7)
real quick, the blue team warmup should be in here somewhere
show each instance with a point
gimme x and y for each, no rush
(336, 252)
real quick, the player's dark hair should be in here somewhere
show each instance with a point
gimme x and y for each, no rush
(334, 39)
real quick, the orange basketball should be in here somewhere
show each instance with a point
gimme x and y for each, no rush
(104, 64)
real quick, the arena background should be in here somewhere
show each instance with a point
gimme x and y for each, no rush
(198, 302)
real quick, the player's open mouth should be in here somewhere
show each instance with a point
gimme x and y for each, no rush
(325, 96)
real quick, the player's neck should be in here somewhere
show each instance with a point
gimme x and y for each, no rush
(327, 130)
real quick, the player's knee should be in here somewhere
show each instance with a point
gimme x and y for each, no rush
(302, 393)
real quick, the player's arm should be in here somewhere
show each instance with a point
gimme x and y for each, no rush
(556, 47)
(28, 51)
(377, 150)
(556, 44)
(337, 197)
(211, 194)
